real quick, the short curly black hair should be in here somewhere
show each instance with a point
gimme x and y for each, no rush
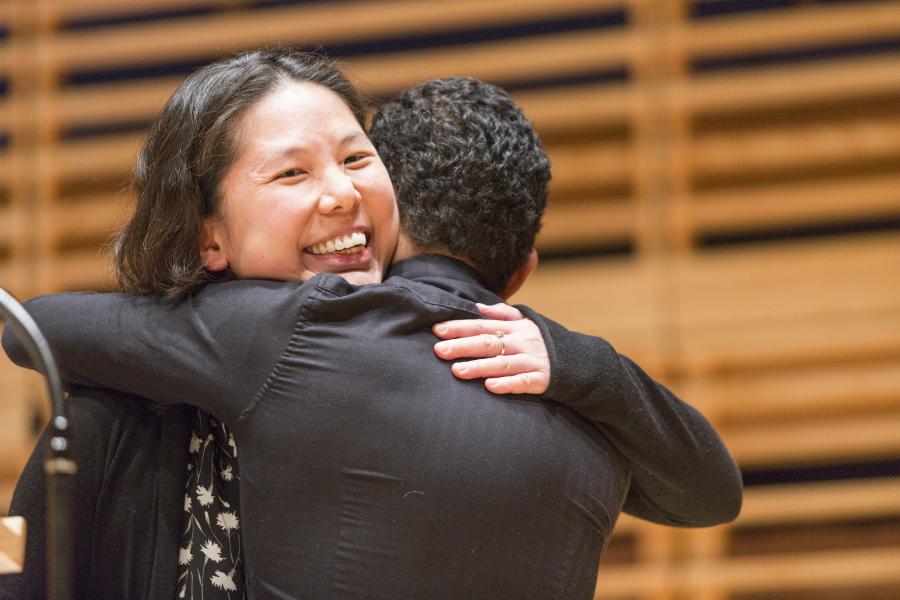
(469, 171)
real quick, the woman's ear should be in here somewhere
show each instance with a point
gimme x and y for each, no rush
(212, 250)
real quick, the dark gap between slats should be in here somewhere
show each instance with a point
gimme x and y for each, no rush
(820, 473)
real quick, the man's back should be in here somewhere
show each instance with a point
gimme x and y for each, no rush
(401, 481)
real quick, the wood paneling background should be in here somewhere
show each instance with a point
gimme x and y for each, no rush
(725, 209)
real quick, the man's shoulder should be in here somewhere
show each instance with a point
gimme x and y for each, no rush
(395, 295)
(251, 291)
(251, 301)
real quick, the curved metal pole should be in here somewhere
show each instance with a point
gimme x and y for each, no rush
(58, 464)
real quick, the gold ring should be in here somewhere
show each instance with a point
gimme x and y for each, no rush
(499, 335)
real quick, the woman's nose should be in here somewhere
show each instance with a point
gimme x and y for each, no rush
(338, 193)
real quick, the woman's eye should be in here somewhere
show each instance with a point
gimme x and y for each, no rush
(355, 158)
(290, 173)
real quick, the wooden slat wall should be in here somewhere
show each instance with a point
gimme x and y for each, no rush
(726, 189)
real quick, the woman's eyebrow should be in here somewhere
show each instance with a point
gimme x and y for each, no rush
(352, 137)
(288, 151)
(276, 157)
(294, 149)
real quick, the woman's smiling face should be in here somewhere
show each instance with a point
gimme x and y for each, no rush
(306, 194)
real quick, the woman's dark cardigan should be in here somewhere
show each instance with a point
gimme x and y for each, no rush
(128, 524)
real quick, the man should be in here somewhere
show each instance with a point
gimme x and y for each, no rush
(471, 180)
(368, 471)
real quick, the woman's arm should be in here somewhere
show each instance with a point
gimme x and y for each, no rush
(682, 474)
(212, 350)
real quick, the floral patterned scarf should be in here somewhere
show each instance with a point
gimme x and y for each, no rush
(210, 561)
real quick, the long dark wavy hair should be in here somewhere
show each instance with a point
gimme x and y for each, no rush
(189, 148)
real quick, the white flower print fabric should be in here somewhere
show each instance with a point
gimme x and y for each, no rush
(210, 562)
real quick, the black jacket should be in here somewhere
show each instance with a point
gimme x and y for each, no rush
(399, 480)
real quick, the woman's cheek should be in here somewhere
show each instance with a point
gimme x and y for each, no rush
(379, 198)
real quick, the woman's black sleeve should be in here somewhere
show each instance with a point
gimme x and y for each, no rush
(682, 474)
(212, 350)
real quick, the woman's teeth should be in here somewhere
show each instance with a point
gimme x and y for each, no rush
(346, 244)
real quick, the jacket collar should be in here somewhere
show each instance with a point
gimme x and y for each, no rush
(446, 273)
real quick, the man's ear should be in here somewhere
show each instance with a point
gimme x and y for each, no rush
(212, 250)
(521, 274)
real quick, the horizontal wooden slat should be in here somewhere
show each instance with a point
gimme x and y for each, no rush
(89, 270)
(591, 296)
(816, 391)
(205, 36)
(101, 215)
(750, 305)
(10, 222)
(814, 570)
(6, 59)
(6, 15)
(577, 106)
(793, 28)
(113, 102)
(550, 56)
(786, 148)
(6, 166)
(755, 262)
(5, 115)
(817, 502)
(807, 571)
(790, 340)
(107, 156)
(795, 204)
(589, 165)
(821, 82)
(633, 581)
(14, 276)
(573, 225)
(816, 442)
(832, 277)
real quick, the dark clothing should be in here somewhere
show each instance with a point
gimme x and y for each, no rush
(130, 491)
(127, 502)
(368, 470)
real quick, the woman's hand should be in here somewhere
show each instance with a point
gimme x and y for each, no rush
(523, 367)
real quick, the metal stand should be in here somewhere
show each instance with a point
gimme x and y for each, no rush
(59, 466)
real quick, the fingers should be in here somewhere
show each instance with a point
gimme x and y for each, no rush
(497, 366)
(517, 374)
(497, 317)
(522, 368)
(500, 312)
(474, 346)
(535, 382)
(449, 330)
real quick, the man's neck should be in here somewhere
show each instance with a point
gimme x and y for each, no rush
(406, 248)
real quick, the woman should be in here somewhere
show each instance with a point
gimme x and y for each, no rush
(218, 173)
(248, 120)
